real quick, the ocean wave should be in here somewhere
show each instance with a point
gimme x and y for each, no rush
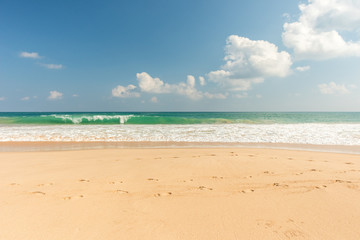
(173, 118)
(89, 119)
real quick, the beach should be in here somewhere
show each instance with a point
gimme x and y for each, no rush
(179, 193)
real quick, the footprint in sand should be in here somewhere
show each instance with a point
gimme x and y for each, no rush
(204, 188)
(349, 163)
(247, 191)
(121, 191)
(113, 182)
(14, 184)
(216, 177)
(153, 179)
(162, 194)
(73, 197)
(84, 180)
(234, 154)
(280, 185)
(38, 193)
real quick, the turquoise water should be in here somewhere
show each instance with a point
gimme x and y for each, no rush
(205, 127)
(112, 118)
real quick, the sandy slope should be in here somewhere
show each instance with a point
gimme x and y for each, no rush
(179, 194)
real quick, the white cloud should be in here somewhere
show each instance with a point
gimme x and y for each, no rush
(25, 98)
(75, 95)
(154, 100)
(258, 96)
(249, 62)
(33, 55)
(318, 32)
(188, 88)
(303, 68)
(333, 88)
(152, 85)
(125, 92)
(54, 95)
(2, 98)
(52, 66)
(202, 81)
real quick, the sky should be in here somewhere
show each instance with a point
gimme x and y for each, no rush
(188, 55)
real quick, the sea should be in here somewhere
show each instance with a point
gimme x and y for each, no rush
(313, 128)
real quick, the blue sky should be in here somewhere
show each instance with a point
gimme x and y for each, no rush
(180, 55)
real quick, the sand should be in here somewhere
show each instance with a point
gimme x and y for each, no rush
(215, 193)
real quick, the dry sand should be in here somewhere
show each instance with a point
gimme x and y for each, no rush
(179, 194)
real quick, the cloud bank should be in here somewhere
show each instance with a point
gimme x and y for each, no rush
(249, 62)
(150, 84)
(317, 34)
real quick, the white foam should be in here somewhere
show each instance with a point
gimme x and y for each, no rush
(321, 134)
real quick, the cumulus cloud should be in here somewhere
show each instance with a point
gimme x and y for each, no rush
(2, 98)
(125, 92)
(25, 98)
(52, 66)
(249, 62)
(33, 55)
(333, 88)
(55, 95)
(318, 32)
(303, 68)
(150, 84)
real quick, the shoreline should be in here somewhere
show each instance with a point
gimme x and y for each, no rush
(70, 146)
